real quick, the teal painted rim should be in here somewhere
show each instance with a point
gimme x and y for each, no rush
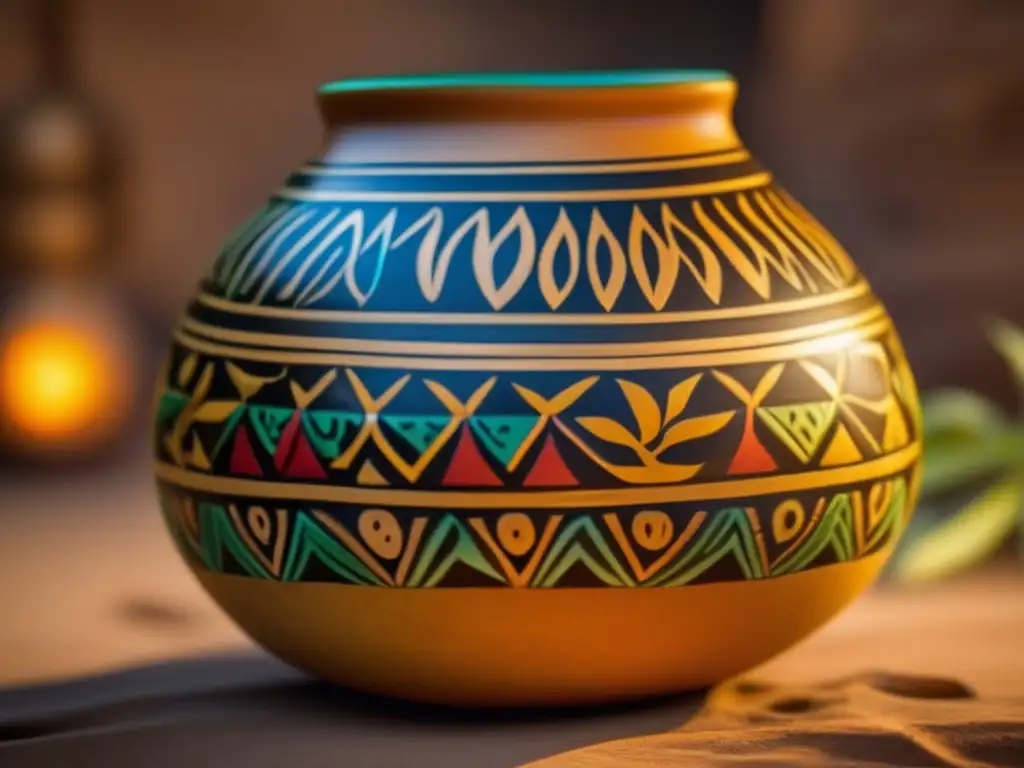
(609, 79)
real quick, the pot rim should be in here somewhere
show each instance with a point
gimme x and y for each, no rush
(624, 78)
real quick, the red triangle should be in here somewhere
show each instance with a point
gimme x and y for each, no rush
(549, 469)
(303, 462)
(295, 457)
(751, 457)
(286, 443)
(468, 466)
(243, 459)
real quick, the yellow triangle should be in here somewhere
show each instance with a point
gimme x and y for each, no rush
(198, 458)
(368, 475)
(842, 450)
(896, 434)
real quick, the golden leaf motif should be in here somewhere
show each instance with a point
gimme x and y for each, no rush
(535, 401)
(710, 276)
(607, 291)
(215, 411)
(571, 394)
(691, 429)
(679, 396)
(645, 409)
(657, 291)
(187, 369)
(562, 232)
(608, 430)
(249, 384)
(432, 268)
(485, 249)
(755, 278)
(449, 400)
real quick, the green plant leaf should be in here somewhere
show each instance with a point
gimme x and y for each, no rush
(1009, 340)
(966, 539)
(951, 463)
(959, 413)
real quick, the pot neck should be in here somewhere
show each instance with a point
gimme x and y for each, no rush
(584, 116)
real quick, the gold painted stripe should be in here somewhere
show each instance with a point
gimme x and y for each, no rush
(643, 193)
(724, 158)
(465, 349)
(479, 318)
(820, 346)
(390, 498)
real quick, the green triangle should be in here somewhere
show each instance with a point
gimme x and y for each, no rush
(727, 532)
(835, 529)
(311, 540)
(502, 435)
(171, 404)
(568, 549)
(327, 430)
(218, 534)
(465, 551)
(801, 427)
(268, 422)
(419, 431)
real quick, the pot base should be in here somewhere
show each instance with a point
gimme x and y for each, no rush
(536, 647)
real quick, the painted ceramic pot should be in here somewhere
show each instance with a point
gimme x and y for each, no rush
(534, 390)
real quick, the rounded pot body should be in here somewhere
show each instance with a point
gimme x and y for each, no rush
(534, 390)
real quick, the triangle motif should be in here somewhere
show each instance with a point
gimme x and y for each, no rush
(370, 475)
(842, 449)
(801, 427)
(432, 567)
(896, 434)
(468, 467)
(418, 431)
(328, 431)
(502, 435)
(303, 462)
(580, 542)
(268, 423)
(751, 457)
(198, 457)
(243, 459)
(549, 470)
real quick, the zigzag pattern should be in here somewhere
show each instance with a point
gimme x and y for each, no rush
(554, 549)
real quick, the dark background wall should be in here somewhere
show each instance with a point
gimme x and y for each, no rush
(899, 124)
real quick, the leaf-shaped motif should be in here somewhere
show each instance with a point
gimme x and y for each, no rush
(709, 273)
(655, 291)
(538, 403)
(607, 291)
(679, 396)
(738, 390)
(608, 430)
(691, 429)
(249, 384)
(203, 384)
(431, 268)
(442, 393)
(968, 538)
(187, 369)
(757, 278)
(571, 394)
(767, 382)
(645, 409)
(562, 232)
(215, 411)
(485, 250)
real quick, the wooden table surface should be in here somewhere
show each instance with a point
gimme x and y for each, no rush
(930, 676)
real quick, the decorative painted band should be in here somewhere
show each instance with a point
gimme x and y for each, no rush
(668, 545)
